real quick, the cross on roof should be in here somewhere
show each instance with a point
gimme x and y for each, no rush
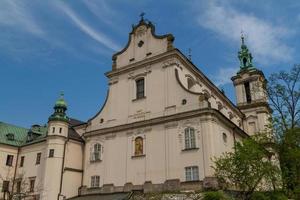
(242, 36)
(142, 16)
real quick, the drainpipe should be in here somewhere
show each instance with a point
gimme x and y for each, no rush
(15, 172)
(62, 170)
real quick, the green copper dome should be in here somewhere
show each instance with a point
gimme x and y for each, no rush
(60, 109)
(60, 102)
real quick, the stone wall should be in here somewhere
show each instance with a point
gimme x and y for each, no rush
(173, 185)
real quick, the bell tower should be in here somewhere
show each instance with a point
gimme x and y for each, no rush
(59, 122)
(57, 137)
(250, 87)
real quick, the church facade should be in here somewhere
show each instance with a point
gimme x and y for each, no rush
(161, 124)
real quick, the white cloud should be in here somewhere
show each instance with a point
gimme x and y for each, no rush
(264, 38)
(224, 75)
(96, 35)
(16, 14)
(102, 10)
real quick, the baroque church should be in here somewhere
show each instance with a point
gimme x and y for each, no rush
(161, 123)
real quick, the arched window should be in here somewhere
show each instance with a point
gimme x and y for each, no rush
(189, 137)
(96, 152)
(224, 138)
(190, 82)
(245, 61)
(138, 146)
(140, 88)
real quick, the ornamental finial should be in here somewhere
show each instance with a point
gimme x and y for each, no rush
(142, 16)
(242, 37)
(190, 54)
(62, 94)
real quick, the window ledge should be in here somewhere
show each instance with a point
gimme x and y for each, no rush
(93, 188)
(95, 161)
(138, 156)
(192, 181)
(141, 98)
(191, 149)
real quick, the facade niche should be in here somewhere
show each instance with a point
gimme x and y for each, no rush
(138, 146)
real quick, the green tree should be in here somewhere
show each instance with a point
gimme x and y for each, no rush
(289, 157)
(248, 168)
(283, 90)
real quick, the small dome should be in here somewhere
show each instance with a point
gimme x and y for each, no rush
(60, 108)
(61, 103)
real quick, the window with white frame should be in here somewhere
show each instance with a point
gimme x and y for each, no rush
(96, 152)
(95, 181)
(192, 173)
(189, 138)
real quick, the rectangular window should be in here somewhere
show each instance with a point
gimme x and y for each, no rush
(140, 88)
(60, 130)
(53, 129)
(248, 92)
(95, 181)
(192, 173)
(190, 139)
(19, 186)
(22, 161)
(38, 158)
(51, 153)
(5, 186)
(31, 185)
(9, 160)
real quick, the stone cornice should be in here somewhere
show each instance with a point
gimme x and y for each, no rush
(140, 64)
(255, 105)
(175, 53)
(167, 119)
(73, 169)
(251, 73)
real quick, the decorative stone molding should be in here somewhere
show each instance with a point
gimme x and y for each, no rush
(171, 62)
(134, 75)
(205, 113)
(113, 80)
(230, 114)
(110, 136)
(171, 125)
(141, 31)
(220, 105)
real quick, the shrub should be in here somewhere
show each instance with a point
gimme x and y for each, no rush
(278, 196)
(215, 196)
(259, 196)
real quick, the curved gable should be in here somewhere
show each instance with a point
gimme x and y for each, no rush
(143, 43)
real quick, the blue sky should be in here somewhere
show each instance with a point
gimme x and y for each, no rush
(53, 45)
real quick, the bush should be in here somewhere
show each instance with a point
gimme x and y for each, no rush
(215, 196)
(259, 196)
(278, 196)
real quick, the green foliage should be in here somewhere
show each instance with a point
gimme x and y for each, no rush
(215, 195)
(289, 155)
(283, 91)
(278, 196)
(259, 196)
(247, 167)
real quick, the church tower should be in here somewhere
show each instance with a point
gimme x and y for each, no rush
(59, 122)
(58, 126)
(251, 97)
